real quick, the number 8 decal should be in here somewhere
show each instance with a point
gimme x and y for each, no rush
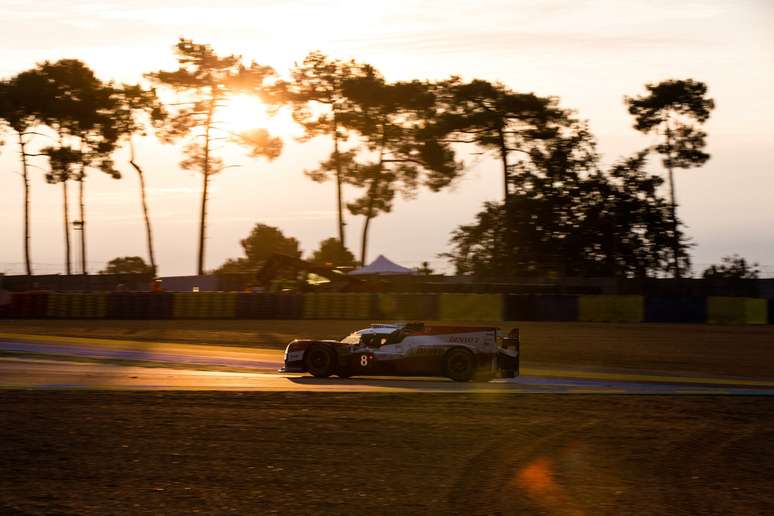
(363, 360)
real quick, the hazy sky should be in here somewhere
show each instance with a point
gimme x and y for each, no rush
(589, 53)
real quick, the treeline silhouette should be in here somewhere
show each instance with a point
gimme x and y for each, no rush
(561, 212)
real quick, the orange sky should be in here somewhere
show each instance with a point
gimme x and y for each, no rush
(589, 53)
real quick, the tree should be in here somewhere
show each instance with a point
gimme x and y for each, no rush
(674, 110)
(128, 265)
(425, 269)
(332, 254)
(732, 267)
(136, 108)
(319, 81)
(259, 245)
(565, 216)
(203, 82)
(21, 100)
(497, 119)
(79, 112)
(397, 123)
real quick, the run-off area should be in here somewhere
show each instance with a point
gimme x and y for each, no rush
(307, 453)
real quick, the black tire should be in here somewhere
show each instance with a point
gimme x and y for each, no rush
(460, 365)
(320, 361)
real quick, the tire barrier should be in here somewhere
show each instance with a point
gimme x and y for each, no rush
(389, 306)
(204, 305)
(532, 307)
(269, 306)
(736, 310)
(407, 307)
(76, 305)
(28, 305)
(139, 305)
(338, 306)
(676, 309)
(470, 307)
(606, 308)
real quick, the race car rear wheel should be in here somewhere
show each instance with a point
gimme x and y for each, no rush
(460, 365)
(320, 361)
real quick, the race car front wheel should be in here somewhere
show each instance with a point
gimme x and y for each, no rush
(320, 361)
(460, 365)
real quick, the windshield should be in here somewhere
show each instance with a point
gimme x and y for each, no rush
(352, 338)
(371, 337)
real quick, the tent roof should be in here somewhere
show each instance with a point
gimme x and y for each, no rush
(382, 265)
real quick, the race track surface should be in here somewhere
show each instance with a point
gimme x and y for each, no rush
(29, 362)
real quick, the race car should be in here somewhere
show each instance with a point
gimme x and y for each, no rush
(462, 353)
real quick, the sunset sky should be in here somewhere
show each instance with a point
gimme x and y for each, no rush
(588, 53)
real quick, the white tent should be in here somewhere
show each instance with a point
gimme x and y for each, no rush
(382, 265)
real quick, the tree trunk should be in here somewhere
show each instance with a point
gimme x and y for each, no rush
(369, 215)
(146, 216)
(339, 207)
(68, 265)
(371, 194)
(82, 211)
(206, 180)
(364, 241)
(508, 241)
(673, 207)
(504, 159)
(26, 179)
(202, 223)
(675, 228)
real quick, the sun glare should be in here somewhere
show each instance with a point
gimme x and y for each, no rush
(244, 112)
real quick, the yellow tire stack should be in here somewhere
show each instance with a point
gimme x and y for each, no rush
(204, 305)
(219, 305)
(337, 306)
(57, 306)
(183, 305)
(736, 310)
(72, 305)
(471, 307)
(88, 306)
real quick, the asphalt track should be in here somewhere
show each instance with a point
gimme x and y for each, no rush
(29, 362)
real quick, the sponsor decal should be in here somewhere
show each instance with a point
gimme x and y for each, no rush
(456, 339)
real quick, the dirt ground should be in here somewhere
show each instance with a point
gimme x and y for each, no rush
(305, 453)
(744, 351)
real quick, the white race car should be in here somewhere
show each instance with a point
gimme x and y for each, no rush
(462, 353)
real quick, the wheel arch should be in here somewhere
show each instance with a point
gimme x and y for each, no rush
(446, 353)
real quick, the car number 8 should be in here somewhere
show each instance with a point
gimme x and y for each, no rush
(363, 360)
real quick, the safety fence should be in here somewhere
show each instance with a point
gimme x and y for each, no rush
(389, 307)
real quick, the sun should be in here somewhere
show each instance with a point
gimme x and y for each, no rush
(244, 112)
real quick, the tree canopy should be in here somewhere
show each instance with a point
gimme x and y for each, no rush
(332, 254)
(259, 245)
(674, 110)
(732, 267)
(561, 213)
(397, 124)
(203, 81)
(566, 217)
(127, 265)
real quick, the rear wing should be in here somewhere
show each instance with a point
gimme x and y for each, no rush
(508, 361)
(512, 340)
